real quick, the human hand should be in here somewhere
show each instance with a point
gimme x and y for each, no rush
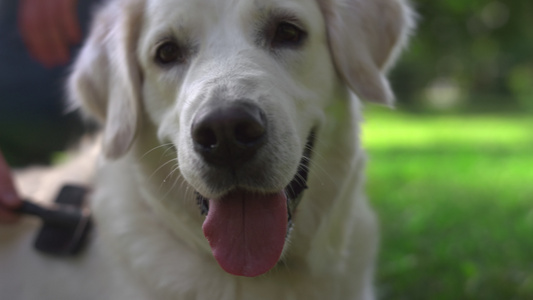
(9, 199)
(49, 28)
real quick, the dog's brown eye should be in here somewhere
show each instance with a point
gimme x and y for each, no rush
(287, 35)
(169, 52)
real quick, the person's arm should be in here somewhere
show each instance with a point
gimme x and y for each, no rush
(9, 198)
(49, 28)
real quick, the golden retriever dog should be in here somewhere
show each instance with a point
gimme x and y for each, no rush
(231, 163)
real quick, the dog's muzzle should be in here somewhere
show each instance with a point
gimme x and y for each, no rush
(293, 191)
(245, 229)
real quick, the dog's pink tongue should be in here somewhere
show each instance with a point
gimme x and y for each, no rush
(247, 231)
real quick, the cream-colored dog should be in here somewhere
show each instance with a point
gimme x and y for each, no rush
(231, 165)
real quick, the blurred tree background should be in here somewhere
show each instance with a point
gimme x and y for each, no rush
(470, 54)
(450, 172)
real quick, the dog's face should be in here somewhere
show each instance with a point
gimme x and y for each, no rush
(240, 89)
(237, 87)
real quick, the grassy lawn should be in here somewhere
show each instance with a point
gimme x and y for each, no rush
(455, 198)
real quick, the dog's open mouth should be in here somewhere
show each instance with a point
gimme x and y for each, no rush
(247, 230)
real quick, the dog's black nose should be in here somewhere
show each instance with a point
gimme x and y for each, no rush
(229, 135)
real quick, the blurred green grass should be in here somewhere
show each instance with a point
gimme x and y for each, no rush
(455, 197)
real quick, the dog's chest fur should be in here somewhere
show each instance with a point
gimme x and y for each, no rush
(162, 240)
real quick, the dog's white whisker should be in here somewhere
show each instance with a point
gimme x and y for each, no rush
(174, 160)
(155, 148)
(176, 180)
(174, 169)
(315, 160)
(189, 194)
(301, 180)
(170, 148)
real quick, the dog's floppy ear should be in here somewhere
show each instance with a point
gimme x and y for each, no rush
(365, 38)
(105, 80)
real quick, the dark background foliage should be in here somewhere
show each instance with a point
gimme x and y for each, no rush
(469, 54)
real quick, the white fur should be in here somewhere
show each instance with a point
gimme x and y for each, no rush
(148, 242)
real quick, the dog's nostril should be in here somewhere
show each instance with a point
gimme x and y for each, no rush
(205, 137)
(249, 132)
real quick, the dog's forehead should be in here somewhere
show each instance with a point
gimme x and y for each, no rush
(202, 14)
